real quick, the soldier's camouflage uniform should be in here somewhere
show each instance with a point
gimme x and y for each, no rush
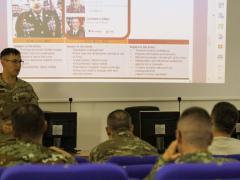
(200, 157)
(3, 137)
(21, 93)
(121, 143)
(13, 151)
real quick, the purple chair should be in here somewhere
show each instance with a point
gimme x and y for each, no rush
(138, 171)
(63, 172)
(199, 171)
(81, 160)
(1, 171)
(232, 156)
(132, 160)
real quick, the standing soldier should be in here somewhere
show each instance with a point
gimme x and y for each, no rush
(13, 90)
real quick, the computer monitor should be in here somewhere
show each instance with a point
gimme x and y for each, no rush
(61, 130)
(134, 112)
(236, 132)
(158, 128)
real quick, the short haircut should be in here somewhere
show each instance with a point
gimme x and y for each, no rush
(225, 116)
(196, 127)
(8, 51)
(119, 120)
(28, 120)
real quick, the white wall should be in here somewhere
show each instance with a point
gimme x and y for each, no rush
(92, 115)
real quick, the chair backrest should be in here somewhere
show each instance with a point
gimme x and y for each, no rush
(199, 171)
(63, 172)
(134, 112)
(232, 156)
(81, 160)
(1, 171)
(138, 171)
(132, 160)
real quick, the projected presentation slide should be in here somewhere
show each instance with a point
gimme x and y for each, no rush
(118, 40)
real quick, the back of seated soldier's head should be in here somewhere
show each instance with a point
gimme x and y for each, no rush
(194, 128)
(28, 121)
(119, 120)
(224, 116)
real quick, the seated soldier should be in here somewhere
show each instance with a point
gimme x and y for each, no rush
(28, 129)
(121, 141)
(194, 135)
(224, 117)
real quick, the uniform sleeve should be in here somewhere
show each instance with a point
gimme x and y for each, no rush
(56, 156)
(155, 168)
(93, 155)
(34, 99)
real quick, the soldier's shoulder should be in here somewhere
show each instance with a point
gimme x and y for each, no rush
(22, 82)
(6, 141)
(104, 146)
(57, 157)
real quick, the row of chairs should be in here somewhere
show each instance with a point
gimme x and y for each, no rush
(114, 172)
(63, 172)
(135, 166)
(140, 167)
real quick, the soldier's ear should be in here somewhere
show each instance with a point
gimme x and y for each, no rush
(108, 131)
(178, 136)
(210, 139)
(131, 128)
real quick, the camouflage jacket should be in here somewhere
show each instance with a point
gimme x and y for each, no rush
(4, 137)
(121, 144)
(199, 157)
(13, 151)
(21, 93)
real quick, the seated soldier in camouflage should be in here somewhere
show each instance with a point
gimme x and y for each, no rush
(194, 135)
(121, 141)
(28, 128)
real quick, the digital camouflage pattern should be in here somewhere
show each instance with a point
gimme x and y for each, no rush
(122, 143)
(200, 157)
(13, 151)
(21, 93)
(3, 137)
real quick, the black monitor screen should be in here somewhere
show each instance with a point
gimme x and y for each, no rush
(158, 128)
(61, 131)
(236, 131)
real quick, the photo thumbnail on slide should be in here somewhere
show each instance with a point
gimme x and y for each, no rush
(37, 18)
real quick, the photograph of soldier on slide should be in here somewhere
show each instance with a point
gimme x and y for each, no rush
(36, 18)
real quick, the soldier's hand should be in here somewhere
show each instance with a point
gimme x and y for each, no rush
(171, 152)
